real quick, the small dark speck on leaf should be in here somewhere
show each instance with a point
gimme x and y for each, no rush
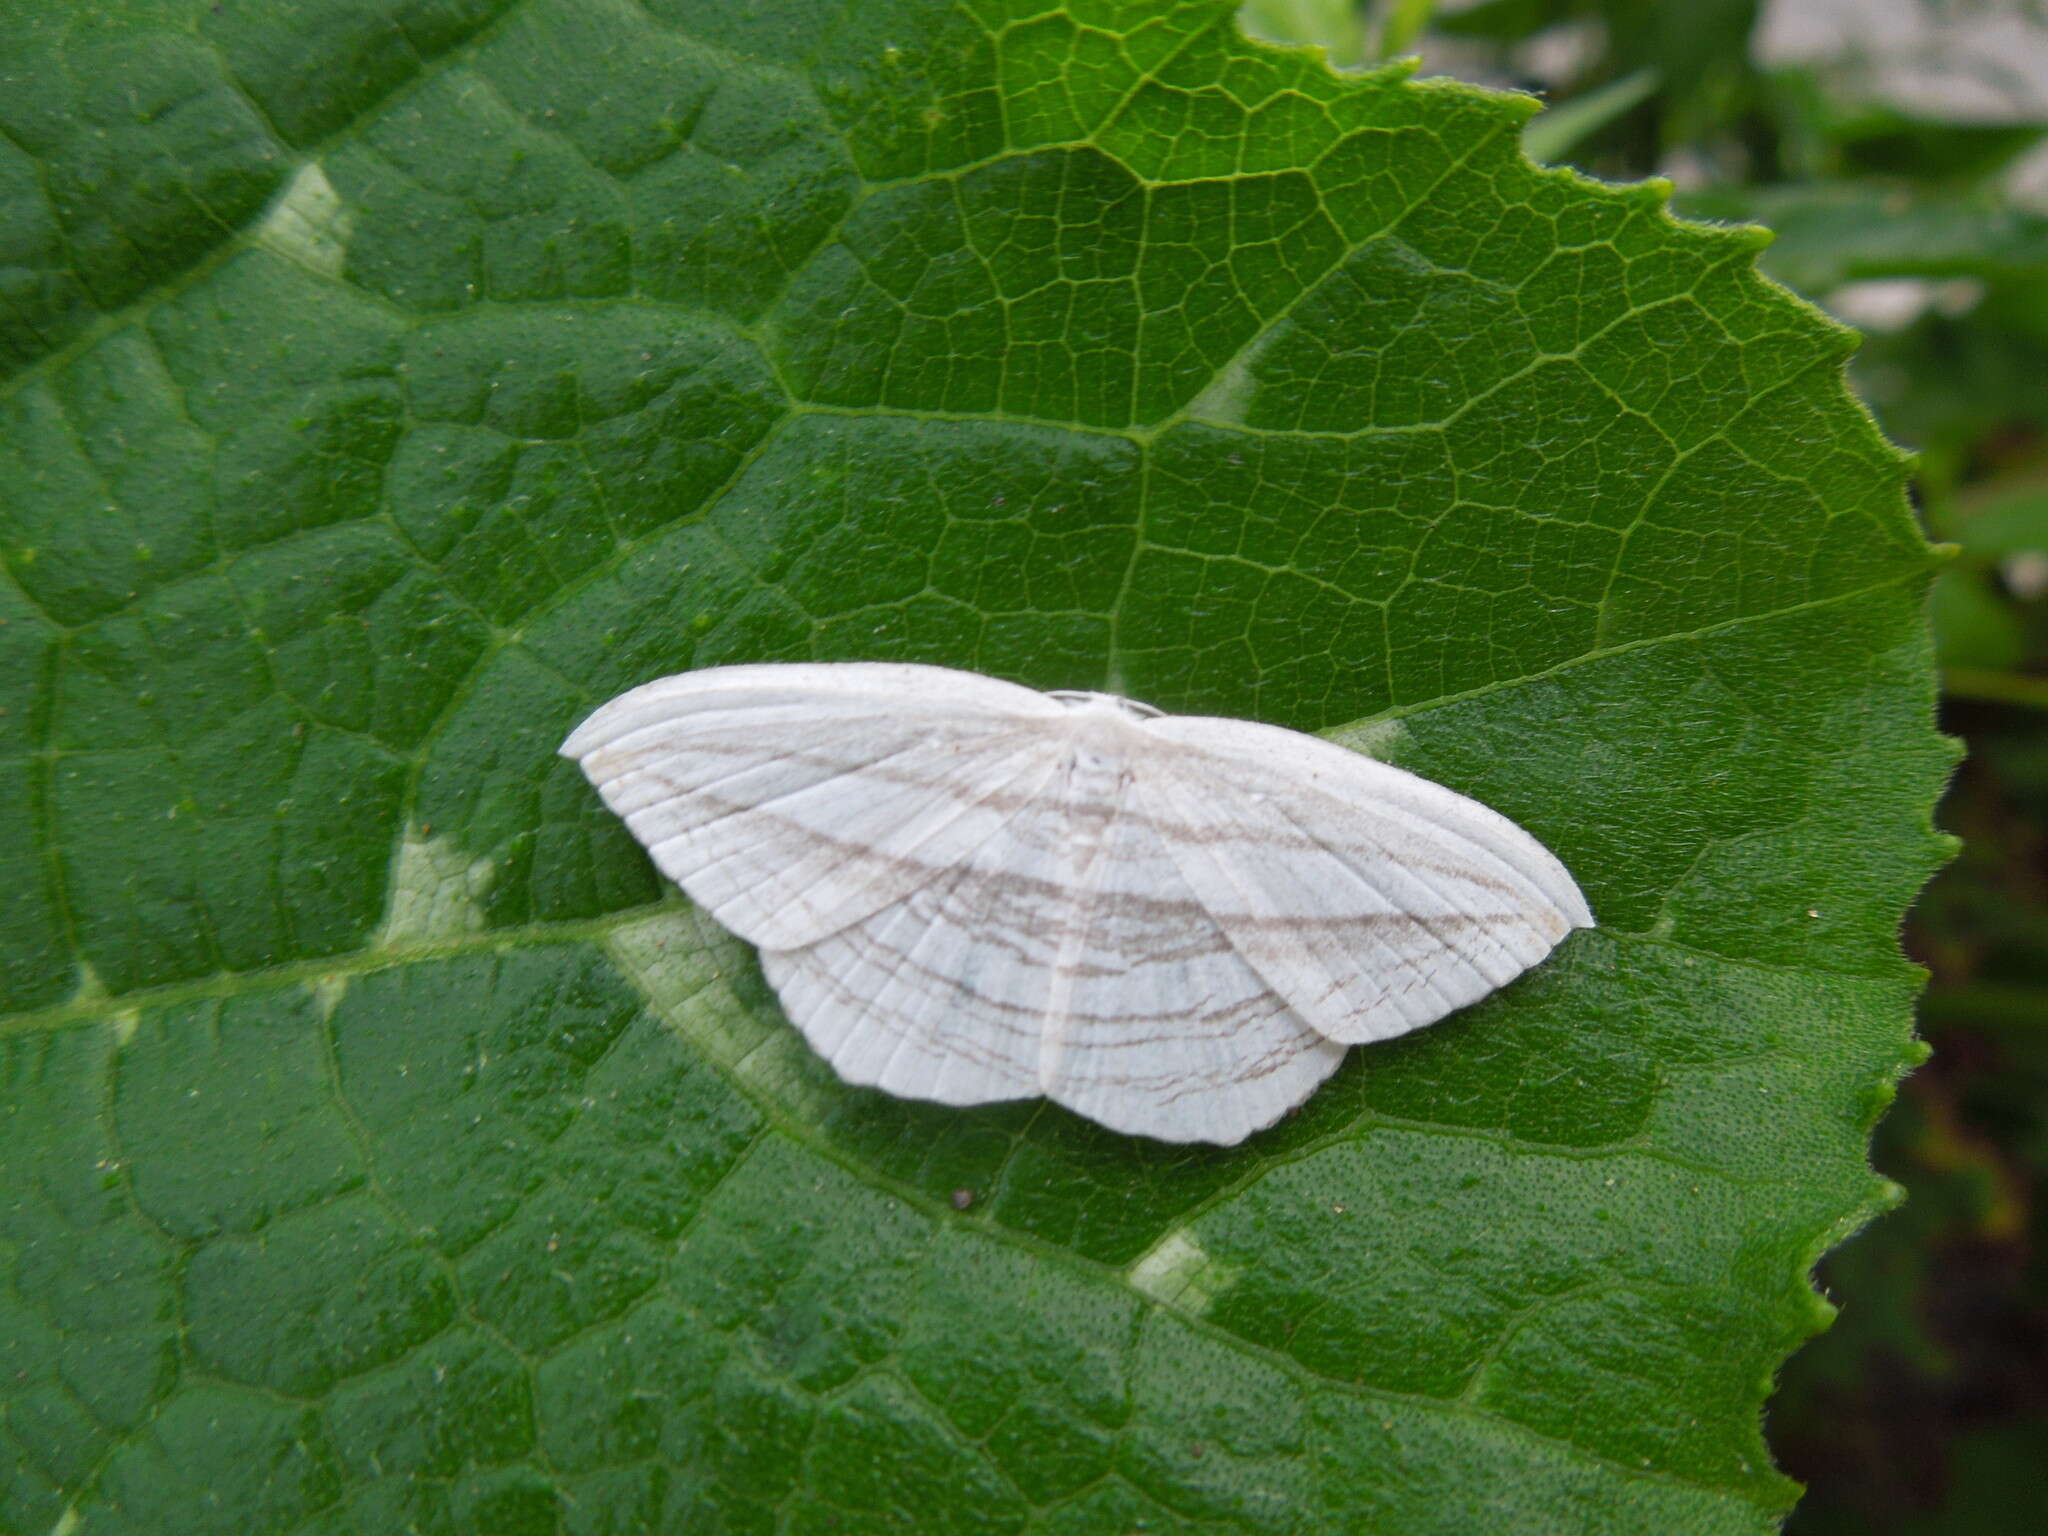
(962, 1198)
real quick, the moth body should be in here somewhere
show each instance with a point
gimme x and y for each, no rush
(967, 891)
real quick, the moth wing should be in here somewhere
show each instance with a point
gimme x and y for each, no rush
(1093, 977)
(1166, 1030)
(1374, 901)
(943, 995)
(791, 801)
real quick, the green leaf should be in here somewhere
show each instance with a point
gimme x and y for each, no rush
(2006, 519)
(1975, 625)
(1336, 26)
(1987, 607)
(1835, 231)
(1553, 135)
(386, 1149)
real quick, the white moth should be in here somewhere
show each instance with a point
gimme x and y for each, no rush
(966, 890)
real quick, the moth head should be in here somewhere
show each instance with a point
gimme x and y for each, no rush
(1079, 698)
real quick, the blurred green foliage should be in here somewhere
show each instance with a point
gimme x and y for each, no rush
(1897, 148)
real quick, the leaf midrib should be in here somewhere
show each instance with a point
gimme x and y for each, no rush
(361, 961)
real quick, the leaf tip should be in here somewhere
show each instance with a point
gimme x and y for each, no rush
(1402, 68)
(1820, 1316)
